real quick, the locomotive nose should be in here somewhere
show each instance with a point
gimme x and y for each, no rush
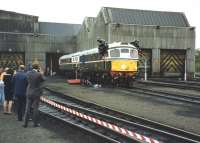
(124, 67)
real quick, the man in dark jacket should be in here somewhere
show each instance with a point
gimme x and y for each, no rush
(33, 93)
(20, 84)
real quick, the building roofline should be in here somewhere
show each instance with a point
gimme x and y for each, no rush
(17, 13)
(58, 23)
(189, 27)
(145, 10)
(103, 9)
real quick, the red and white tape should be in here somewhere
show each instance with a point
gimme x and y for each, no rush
(113, 127)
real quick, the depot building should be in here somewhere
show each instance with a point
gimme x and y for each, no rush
(166, 39)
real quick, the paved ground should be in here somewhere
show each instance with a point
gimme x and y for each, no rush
(11, 131)
(173, 113)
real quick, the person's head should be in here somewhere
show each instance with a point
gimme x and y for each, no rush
(9, 71)
(36, 66)
(21, 67)
(6, 69)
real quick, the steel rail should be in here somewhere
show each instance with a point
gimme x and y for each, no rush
(167, 84)
(53, 113)
(178, 97)
(151, 125)
(110, 126)
(188, 82)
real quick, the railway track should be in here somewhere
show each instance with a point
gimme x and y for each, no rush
(175, 84)
(188, 82)
(115, 125)
(193, 99)
(66, 119)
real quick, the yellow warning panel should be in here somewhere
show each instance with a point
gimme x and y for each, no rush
(124, 65)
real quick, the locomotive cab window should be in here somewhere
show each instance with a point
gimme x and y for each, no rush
(124, 50)
(125, 53)
(115, 53)
(134, 54)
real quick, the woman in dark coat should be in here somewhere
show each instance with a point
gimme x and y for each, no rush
(8, 91)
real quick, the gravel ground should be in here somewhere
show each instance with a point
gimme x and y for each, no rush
(171, 89)
(11, 131)
(173, 113)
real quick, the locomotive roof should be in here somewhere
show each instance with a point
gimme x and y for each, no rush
(95, 50)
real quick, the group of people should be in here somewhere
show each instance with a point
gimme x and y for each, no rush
(25, 88)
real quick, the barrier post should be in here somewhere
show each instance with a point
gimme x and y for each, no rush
(185, 73)
(145, 69)
(76, 71)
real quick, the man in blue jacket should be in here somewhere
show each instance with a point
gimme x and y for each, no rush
(20, 85)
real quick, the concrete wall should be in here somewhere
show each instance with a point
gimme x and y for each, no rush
(83, 38)
(36, 46)
(14, 22)
(21, 33)
(158, 38)
(90, 31)
(150, 37)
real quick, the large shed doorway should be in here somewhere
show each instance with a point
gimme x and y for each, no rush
(12, 59)
(172, 63)
(52, 63)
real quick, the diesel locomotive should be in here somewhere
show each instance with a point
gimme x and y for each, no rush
(115, 63)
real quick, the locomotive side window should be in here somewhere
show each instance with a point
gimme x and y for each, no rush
(115, 53)
(68, 61)
(134, 54)
(65, 61)
(62, 61)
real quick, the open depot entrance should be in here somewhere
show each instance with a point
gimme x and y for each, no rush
(12, 59)
(52, 64)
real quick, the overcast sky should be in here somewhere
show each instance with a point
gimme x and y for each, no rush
(74, 11)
